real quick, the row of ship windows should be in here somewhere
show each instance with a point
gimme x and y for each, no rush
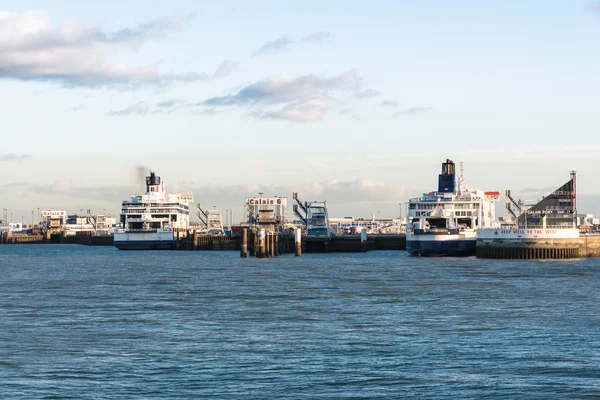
(154, 210)
(456, 213)
(450, 206)
(145, 205)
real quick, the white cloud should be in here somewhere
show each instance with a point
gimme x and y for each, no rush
(303, 111)
(359, 191)
(75, 54)
(366, 94)
(304, 98)
(274, 46)
(139, 108)
(226, 68)
(14, 157)
(592, 8)
(389, 103)
(317, 37)
(412, 111)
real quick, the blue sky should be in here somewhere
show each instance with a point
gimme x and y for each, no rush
(356, 103)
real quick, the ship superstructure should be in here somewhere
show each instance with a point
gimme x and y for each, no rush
(149, 221)
(445, 222)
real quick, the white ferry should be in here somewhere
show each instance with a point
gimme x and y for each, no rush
(445, 222)
(150, 221)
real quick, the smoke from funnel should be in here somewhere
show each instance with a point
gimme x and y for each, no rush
(142, 172)
(140, 177)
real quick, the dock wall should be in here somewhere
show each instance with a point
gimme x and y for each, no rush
(353, 244)
(539, 249)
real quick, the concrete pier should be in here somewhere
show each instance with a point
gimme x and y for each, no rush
(353, 243)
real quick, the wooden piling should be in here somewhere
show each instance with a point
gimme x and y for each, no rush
(250, 243)
(244, 244)
(276, 244)
(253, 242)
(298, 241)
(260, 252)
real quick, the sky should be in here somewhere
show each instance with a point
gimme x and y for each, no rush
(355, 103)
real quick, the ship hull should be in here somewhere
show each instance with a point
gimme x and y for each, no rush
(449, 245)
(143, 245)
(155, 240)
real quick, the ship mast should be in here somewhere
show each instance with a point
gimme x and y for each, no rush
(461, 180)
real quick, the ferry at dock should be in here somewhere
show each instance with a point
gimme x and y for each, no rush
(150, 221)
(445, 222)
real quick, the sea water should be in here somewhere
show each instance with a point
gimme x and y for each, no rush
(94, 322)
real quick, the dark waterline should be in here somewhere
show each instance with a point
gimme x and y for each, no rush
(84, 322)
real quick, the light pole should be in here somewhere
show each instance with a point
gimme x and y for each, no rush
(401, 224)
(400, 205)
(5, 216)
(38, 216)
(32, 213)
(261, 206)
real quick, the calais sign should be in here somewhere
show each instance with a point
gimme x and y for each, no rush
(54, 214)
(266, 201)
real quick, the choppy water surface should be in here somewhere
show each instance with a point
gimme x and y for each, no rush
(82, 322)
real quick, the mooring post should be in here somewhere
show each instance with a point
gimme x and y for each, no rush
(252, 242)
(269, 244)
(260, 253)
(298, 240)
(276, 243)
(244, 245)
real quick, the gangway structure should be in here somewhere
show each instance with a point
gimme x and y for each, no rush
(210, 220)
(314, 216)
(91, 219)
(517, 204)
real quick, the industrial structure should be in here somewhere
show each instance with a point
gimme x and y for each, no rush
(314, 216)
(267, 213)
(211, 221)
(557, 210)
